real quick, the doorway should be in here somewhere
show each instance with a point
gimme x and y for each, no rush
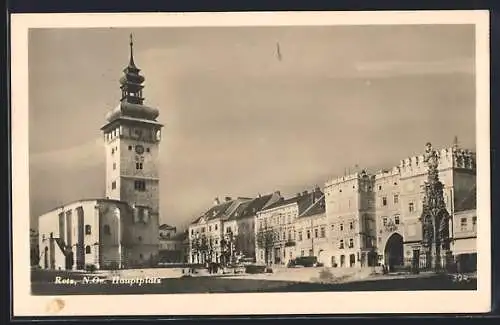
(394, 251)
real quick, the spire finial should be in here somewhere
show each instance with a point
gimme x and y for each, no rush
(455, 142)
(131, 50)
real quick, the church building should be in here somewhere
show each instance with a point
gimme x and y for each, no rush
(120, 230)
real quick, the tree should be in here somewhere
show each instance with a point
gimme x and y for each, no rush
(266, 238)
(227, 244)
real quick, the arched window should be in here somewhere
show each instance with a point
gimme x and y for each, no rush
(87, 249)
(107, 230)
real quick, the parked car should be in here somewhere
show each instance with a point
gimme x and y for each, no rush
(305, 261)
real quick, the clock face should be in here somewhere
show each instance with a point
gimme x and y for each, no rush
(139, 149)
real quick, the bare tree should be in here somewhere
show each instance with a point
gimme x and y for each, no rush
(266, 238)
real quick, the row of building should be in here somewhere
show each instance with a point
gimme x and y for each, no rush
(356, 220)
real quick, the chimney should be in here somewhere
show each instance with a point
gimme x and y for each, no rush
(298, 194)
(216, 201)
(304, 193)
(317, 189)
(228, 198)
(278, 193)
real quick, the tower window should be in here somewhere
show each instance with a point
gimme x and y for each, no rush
(113, 185)
(138, 166)
(88, 230)
(140, 185)
(129, 147)
(87, 249)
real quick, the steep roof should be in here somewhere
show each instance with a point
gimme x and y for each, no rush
(250, 208)
(318, 207)
(217, 211)
(167, 227)
(304, 200)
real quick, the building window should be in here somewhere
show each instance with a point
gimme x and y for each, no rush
(215, 227)
(396, 220)
(351, 243)
(384, 221)
(113, 185)
(300, 235)
(289, 235)
(384, 201)
(147, 149)
(302, 253)
(351, 225)
(138, 166)
(463, 224)
(139, 238)
(192, 231)
(209, 228)
(341, 246)
(323, 232)
(228, 230)
(310, 252)
(129, 147)
(88, 230)
(141, 256)
(112, 151)
(114, 166)
(87, 249)
(308, 234)
(396, 199)
(341, 227)
(107, 230)
(140, 185)
(203, 230)
(380, 187)
(474, 222)
(315, 233)
(411, 207)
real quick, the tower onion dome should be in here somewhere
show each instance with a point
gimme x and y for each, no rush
(131, 102)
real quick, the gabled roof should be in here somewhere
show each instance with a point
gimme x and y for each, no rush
(250, 208)
(217, 211)
(167, 227)
(304, 200)
(318, 207)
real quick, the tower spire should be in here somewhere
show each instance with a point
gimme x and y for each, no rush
(455, 142)
(131, 63)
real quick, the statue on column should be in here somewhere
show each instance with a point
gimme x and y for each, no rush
(435, 217)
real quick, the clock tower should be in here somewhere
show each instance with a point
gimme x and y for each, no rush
(132, 136)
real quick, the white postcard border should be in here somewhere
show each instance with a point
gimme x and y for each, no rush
(24, 304)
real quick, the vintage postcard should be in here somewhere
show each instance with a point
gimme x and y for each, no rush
(312, 163)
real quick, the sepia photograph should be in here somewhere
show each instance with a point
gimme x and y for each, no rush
(235, 156)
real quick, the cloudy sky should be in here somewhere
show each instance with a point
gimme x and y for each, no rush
(239, 121)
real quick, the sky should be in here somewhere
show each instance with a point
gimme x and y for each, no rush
(239, 118)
